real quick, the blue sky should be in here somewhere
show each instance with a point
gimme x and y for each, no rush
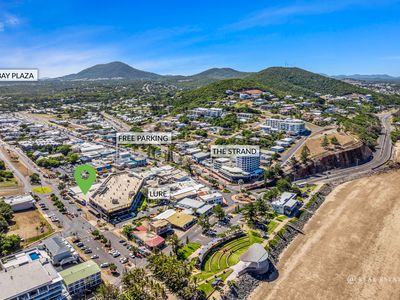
(185, 37)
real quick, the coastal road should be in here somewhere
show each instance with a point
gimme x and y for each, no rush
(382, 154)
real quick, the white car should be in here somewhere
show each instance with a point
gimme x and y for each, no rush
(104, 265)
(116, 254)
(94, 256)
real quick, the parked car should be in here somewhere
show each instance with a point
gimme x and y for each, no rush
(94, 256)
(87, 251)
(104, 265)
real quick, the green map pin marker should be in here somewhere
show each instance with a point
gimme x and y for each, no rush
(85, 183)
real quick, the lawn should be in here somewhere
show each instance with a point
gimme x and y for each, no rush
(281, 218)
(228, 255)
(42, 190)
(271, 227)
(8, 183)
(207, 288)
(188, 249)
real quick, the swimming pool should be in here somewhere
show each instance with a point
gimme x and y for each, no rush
(34, 255)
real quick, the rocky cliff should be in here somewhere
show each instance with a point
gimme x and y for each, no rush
(341, 159)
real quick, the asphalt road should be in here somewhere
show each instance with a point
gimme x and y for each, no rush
(382, 154)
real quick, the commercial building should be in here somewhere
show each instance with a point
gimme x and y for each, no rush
(19, 203)
(181, 221)
(118, 196)
(286, 204)
(82, 278)
(292, 126)
(30, 276)
(214, 198)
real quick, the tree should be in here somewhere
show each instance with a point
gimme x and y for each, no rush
(9, 243)
(3, 224)
(107, 291)
(204, 223)
(35, 179)
(127, 231)
(113, 268)
(6, 211)
(136, 284)
(176, 244)
(334, 141)
(325, 141)
(250, 213)
(219, 212)
(305, 154)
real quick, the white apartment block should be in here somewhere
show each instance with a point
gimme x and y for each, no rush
(248, 163)
(293, 126)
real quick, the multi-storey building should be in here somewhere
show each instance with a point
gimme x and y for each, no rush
(30, 276)
(82, 278)
(248, 163)
(293, 126)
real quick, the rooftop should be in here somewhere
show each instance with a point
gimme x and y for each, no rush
(180, 220)
(79, 272)
(256, 253)
(117, 191)
(26, 277)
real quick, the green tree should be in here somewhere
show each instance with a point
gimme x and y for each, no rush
(305, 154)
(35, 179)
(107, 291)
(325, 141)
(334, 141)
(6, 211)
(219, 212)
(204, 223)
(175, 243)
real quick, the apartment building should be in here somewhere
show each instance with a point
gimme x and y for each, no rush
(292, 126)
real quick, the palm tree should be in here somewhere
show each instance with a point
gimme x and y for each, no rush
(106, 292)
(176, 244)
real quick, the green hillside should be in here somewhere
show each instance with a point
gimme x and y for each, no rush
(280, 81)
(299, 82)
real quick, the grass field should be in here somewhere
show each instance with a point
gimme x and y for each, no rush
(188, 249)
(227, 256)
(8, 183)
(271, 226)
(42, 190)
(30, 225)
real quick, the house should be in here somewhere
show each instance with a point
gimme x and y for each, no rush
(149, 239)
(160, 227)
(82, 278)
(59, 251)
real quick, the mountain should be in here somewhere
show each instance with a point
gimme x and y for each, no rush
(119, 70)
(112, 70)
(299, 82)
(278, 80)
(373, 77)
(219, 73)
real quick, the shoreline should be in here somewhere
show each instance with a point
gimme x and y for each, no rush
(248, 284)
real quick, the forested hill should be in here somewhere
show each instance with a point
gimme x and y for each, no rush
(280, 81)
